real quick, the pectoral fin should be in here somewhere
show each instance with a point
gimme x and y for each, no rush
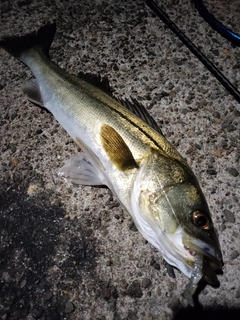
(116, 148)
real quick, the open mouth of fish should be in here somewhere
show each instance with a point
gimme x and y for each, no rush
(201, 259)
(206, 260)
(204, 267)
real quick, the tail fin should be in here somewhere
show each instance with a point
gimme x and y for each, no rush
(41, 38)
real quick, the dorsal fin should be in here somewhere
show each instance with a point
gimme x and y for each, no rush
(139, 110)
(134, 106)
(96, 80)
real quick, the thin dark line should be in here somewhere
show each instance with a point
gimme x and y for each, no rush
(216, 24)
(180, 160)
(207, 63)
(136, 125)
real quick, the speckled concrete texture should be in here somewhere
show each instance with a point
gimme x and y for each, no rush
(72, 252)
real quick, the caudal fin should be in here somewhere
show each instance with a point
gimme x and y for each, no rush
(42, 38)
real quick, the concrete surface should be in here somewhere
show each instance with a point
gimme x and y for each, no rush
(71, 252)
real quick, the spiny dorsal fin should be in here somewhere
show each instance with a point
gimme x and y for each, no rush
(96, 80)
(116, 148)
(139, 110)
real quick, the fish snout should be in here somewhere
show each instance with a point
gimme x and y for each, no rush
(212, 253)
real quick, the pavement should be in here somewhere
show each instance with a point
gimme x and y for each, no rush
(71, 252)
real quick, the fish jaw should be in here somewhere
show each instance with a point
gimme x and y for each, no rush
(210, 252)
(202, 258)
(210, 257)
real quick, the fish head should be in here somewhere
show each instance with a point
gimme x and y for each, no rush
(172, 214)
(195, 237)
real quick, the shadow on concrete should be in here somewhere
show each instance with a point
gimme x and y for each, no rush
(208, 314)
(36, 254)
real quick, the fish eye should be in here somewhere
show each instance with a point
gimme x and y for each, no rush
(202, 220)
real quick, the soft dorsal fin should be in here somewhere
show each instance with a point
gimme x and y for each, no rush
(116, 148)
(96, 80)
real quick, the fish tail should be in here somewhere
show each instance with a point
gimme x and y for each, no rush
(18, 45)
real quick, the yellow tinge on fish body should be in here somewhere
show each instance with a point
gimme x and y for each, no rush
(125, 150)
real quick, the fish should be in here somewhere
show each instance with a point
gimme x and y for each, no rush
(125, 150)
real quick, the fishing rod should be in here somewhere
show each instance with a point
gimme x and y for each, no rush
(216, 24)
(207, 63)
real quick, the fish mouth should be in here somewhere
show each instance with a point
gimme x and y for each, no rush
(197, 246)
(211, 259)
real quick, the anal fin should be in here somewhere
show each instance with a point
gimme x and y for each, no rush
(31, 89)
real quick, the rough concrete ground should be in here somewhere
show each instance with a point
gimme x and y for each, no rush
(72, 252)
